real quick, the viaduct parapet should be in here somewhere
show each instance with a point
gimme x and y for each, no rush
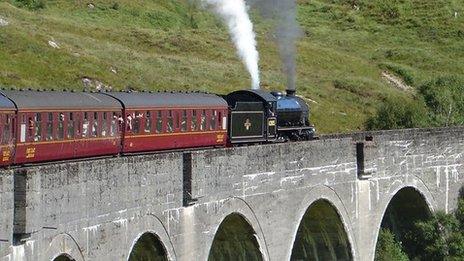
(325, 198)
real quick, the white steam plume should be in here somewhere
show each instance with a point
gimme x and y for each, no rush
(234, 13)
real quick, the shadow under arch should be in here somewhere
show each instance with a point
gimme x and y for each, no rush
(321, 234)
(407, 206)
(235, 240)
(148, 247)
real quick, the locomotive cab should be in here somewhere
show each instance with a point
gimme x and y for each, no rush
(252, 116)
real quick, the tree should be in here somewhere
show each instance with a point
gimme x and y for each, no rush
(442, 236)
(388, 248)
(460, 213)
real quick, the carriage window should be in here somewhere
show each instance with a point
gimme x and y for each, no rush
(60, 133)
(49, 129)
(203, 120)
(30, 128)
(85, 125)
(38, 127)
(194, 121)
(212, 125)
(136, 122)
(224, 120)
(183, 123)
(169, 126)
(95, 125)
(114, 124)
(176, 120)
(159, 122)
(147, 122)
(129, 122)
(70, 132)
(6, 130)
(219, 120)
(104, 130)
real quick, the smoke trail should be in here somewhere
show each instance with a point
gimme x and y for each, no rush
(283, 14)
(234, 13)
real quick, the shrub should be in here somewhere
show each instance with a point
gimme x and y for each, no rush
(115, 6)
(30, 4)
(445, 100)
(398, 113)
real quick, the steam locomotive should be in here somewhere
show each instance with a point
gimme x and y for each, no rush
(41, 126)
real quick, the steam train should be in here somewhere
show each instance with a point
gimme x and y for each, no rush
(41, 126)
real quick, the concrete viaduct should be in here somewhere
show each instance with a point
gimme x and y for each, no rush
(319, 200)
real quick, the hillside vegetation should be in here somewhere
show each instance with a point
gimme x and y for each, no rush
(344, 48)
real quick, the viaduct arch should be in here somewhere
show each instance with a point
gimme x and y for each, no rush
(64, 247)
(405, 203)
(322, 200)
(321, 235)
(148, 236)
(236, 210)
(148, 247)
(235, 240)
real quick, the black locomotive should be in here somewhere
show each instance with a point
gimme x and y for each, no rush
(262, 116)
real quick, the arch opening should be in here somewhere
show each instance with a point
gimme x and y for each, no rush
(407, 207)
(235, 240)
(148, 248)
(321, 235)
(63, 257)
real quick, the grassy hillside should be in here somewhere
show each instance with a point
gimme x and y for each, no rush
(175, 44)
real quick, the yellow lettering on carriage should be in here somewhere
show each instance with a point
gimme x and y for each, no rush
(6, 155)
(219, 138)
(30, 153)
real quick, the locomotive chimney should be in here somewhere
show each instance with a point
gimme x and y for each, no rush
(290, 92)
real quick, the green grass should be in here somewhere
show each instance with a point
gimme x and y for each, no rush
(176, 45)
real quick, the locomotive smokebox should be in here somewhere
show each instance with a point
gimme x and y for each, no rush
(290, 92)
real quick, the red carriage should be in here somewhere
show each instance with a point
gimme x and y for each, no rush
(163, 120)
(64, 125)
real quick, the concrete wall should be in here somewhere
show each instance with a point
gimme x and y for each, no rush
(96, 209)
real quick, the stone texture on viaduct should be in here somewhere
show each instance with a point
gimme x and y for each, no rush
(97, 209)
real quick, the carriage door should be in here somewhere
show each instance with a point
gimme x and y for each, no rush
(8, 137)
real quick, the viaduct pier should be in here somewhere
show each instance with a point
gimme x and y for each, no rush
(323, 199)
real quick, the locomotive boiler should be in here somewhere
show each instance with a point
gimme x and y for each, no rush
(293, 117)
